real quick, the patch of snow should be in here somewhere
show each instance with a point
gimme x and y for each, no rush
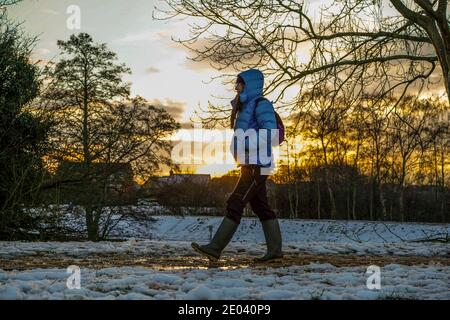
(201, 293)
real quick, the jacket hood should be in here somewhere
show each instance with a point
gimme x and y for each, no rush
(254, 83)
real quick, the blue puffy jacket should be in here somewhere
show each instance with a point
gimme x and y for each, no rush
(263, 117)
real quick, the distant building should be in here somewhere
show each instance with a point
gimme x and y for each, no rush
(112, 183)
(176, 178)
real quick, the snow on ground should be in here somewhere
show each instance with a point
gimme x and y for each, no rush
(153, 225)
(170, 236)
(294, 230)
(299, 236)
(314, 281)
(196, 228)
(183, 248)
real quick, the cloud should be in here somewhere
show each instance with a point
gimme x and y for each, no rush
(207, 64)
(50, 11)
(144, 36)
(43, 51)
(39, 56)
(204, 65)
(152, 70)
(175, 108)
(187, 125)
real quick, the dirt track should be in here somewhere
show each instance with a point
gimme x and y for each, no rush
(98, 261)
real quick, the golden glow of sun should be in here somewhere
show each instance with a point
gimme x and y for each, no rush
(216, 170)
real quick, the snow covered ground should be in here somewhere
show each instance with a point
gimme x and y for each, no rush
(196, 228)
(327, 260)
(314, 281)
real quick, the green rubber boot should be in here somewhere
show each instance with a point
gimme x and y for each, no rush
(272, 234)
(220, 240)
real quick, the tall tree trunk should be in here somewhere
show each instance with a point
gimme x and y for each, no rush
(382, 201)
(372, 200)
(291, 205)
(348, 203)
(354, 202)
(354, 178)
(318, 199)
(85, 133)
(402, 188)
(443, 189)
(401, 203)
(390, 213)
(436, 171)
(91, 224)
(297, 200)
(331, 195)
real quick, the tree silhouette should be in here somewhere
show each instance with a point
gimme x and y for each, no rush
(98, 123)
(379, 47)
(23, 135)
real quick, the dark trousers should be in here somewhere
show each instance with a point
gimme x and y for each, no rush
(251, 187)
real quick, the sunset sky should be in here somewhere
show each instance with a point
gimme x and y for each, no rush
(161, 71)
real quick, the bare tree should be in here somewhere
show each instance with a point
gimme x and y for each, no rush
(435, 156)
(356, 134)
(408, 131)
(99, 125)
(389, 46)
(377, 150)
(324, 117)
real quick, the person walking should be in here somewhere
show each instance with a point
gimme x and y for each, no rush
(251, 112)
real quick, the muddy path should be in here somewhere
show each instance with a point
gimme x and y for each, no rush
(108, 260)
